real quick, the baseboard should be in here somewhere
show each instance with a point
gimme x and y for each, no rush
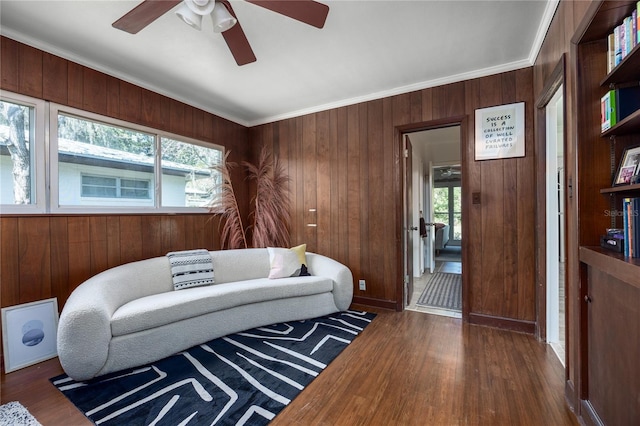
(378, 303)
(588, 414)
(521, 326)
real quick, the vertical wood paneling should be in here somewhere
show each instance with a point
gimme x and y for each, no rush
(309, 168)
(75, 85)
(30, 71)
(113, 97)
(94, 91)
(354, 185)
(99, 244)
(59, 233)
(54, 78)
(376, 236)
(9, 261)
(473, 177)
(365, 242)
(388, 215)
(323, 182)
(130, 105)
(526, 172)
(511, 288)
(131, 241)
(79, 250)
(35, 259)
(152, 236)
(9, 65)
(340, 241)
(113, 241)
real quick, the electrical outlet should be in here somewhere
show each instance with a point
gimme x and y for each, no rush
(362, 284)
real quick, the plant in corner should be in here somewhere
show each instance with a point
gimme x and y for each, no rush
(225, 204)
(270, 216)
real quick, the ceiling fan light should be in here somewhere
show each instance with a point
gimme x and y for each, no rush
(191, 18)
(201, 7)
(222, 19)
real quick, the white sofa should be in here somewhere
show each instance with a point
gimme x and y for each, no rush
(130, 315)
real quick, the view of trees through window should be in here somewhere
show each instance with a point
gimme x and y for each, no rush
(16, 155)
(447, 209)
(97, 163)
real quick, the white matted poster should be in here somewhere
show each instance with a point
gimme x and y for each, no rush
(29, 333)
(500, 132)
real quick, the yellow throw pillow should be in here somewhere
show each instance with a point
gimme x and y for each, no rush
(300, 251)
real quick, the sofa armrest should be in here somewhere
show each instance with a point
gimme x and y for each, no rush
(323, 266)
(84, 328)
(84, 331)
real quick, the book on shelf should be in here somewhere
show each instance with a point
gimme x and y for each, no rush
(631, 226)
(608, 110)
(618, 104)
(623, 39)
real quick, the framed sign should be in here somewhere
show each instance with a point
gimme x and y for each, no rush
(500, 132)
(29, 333)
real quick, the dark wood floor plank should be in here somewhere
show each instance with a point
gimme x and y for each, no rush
(406, 368)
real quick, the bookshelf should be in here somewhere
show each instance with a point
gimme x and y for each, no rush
(607, 310)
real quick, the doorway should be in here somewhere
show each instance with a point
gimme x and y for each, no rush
(433, 197)
(555, 221)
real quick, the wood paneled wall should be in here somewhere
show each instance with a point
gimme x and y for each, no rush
(556, 44)
(48, 256)
(346, 164)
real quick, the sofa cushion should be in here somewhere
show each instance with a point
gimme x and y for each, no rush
(164, 308)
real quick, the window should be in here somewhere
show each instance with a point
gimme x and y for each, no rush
(447, 205)
(21, 154)
(108, 165)
(112, 187)
(188, 179)
(97, 164)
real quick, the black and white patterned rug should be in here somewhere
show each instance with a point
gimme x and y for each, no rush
(244, 378)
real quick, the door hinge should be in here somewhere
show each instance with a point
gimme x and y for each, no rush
(406, 153)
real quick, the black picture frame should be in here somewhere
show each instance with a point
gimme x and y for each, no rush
(629, 167)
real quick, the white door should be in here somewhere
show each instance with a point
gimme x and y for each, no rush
(430, 239)
(555, 220)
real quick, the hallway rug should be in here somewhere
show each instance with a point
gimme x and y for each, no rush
(443, 291)
(242, 378)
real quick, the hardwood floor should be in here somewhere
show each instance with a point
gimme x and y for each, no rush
(406, 368)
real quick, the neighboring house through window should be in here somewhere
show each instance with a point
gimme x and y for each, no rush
(99, 164)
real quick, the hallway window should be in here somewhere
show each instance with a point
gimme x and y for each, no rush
(447, 209)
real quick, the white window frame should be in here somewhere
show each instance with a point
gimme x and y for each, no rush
(55, 207)
(38, 171)
(118, 187)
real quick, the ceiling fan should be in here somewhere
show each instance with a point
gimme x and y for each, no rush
(307, 11)
(450, 171)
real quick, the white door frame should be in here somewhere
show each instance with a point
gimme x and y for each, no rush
(553, 229)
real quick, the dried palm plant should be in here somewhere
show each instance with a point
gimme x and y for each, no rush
(271, 216)
(233, 234)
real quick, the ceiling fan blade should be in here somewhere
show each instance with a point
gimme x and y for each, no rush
(308, 11)
(144, 14)
(237, 40)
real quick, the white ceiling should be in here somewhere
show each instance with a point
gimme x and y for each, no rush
(368, 49)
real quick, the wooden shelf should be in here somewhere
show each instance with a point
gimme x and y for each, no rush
(630, 124)
(626, 71)
(612, 263)
(621, 189)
